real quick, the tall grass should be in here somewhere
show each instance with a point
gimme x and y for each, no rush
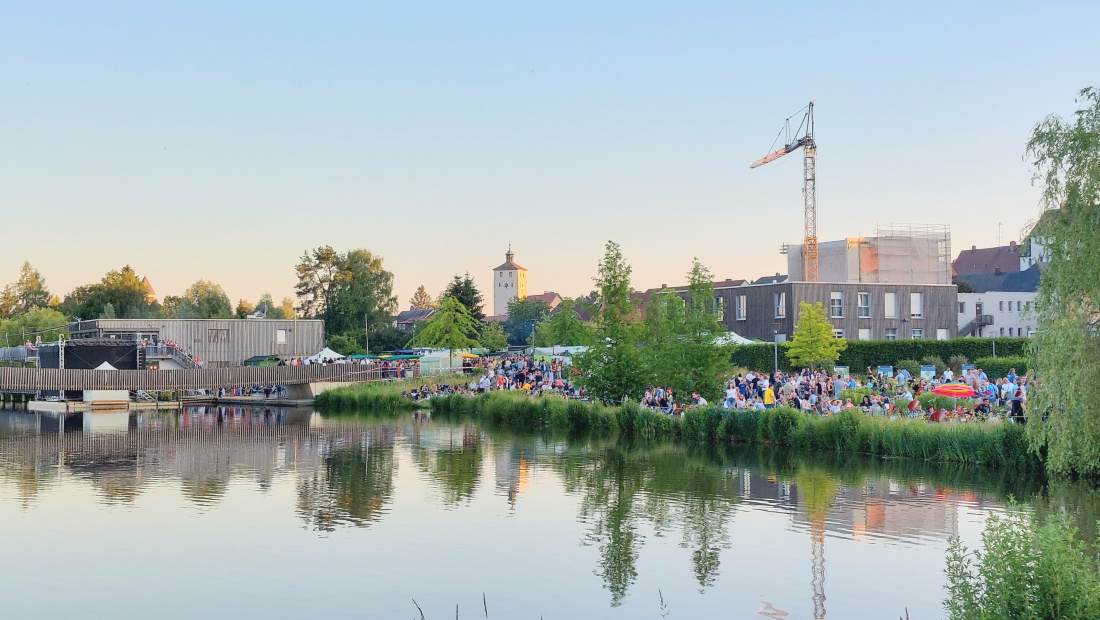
(990, 444)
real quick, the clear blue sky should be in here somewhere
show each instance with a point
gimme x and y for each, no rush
(221, 140)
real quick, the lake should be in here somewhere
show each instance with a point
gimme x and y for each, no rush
(225, 512)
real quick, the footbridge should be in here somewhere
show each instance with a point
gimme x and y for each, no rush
(300, 381)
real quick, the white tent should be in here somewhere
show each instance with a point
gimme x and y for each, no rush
(731, 338)
(325, 354)
(105, 366)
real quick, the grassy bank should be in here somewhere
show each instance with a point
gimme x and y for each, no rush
(378, 397)
(996, 444)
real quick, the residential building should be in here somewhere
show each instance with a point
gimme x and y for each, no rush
(509, 282)
(215, 342)
(550, 298)
(406, 320)
(976, 261)
(863, 311)
(1001, 304)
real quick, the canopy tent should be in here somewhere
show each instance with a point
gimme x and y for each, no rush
(545, 354)
(262, 360)
(325, 354)
(731, 338)
(360, 356)
(105, 366)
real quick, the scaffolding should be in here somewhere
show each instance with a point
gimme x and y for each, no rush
(907, 254)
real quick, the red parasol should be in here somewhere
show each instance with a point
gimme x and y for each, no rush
(954, 390)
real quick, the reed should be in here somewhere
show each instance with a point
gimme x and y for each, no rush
(971, 443)
(383, 398)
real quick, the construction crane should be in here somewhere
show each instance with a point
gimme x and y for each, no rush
(802, 137)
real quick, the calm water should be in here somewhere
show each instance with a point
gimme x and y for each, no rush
(237, 513)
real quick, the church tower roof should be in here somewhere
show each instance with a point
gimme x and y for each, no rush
(509, 262)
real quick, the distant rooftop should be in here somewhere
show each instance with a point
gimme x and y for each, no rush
(976, 261)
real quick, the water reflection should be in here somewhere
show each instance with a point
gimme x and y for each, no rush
(627, 496)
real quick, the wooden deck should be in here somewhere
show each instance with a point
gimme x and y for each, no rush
(23, 379)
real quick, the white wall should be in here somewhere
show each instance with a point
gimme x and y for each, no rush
(1006, 321)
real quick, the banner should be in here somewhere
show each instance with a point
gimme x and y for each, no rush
(928, 372)
(886, 371)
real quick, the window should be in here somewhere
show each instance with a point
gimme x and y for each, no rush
(217, 335)
(962, 307)
(891, 333)
(280, 336)
(1027, 306)
(838, 333)
(863, 305)
(742, 307)
(1001, 306)
(890, 305)
(719, 309)
(865, 333)
(917, 334)
(836, 305)
(780, 305)
(1002, 331)
(1010, 331)
(942, 334)
(916, 305)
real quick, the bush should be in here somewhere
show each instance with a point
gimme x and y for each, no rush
(913, 366)
(997, 367)
(956, 363)
(1024, 570)
(934, 360)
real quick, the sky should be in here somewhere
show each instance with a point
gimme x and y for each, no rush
(223, 140)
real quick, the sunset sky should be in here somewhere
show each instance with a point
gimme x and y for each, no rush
(221, 140)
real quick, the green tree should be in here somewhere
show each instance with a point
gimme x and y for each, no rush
(563, 328)
(204, 300)
(422, 299)
(465, 291)
(108, 311)
(345, 289)
(1066, 349)
(243, 309)
(287, 306)
(612, 368)
(813, 343)
(524, 315)
(46, 323)
(492, 336)
(25, 294)
(452, 327)
(122, 289)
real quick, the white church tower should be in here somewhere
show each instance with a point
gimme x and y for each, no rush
(509, 282)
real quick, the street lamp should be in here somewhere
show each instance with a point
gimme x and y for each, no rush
(776, 342)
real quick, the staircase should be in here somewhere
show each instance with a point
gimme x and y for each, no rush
(980, 321)
(165, 353)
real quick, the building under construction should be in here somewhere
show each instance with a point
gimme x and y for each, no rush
(896, 254)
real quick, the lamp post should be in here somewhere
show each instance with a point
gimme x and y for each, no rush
(776, 343)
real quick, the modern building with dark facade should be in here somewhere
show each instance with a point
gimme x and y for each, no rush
(216, 342)
(858, 311)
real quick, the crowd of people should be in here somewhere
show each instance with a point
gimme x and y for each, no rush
(511, 372)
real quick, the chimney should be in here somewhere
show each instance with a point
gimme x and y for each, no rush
(1012, 243)
(973, 248)
(663, 285)
(777, 274)
(996, 271)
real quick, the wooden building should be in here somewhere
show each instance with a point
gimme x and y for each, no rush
(216, 342)
(858, 311)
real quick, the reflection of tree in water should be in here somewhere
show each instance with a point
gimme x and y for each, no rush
(353, 488)
(622, 485)
(455, 469)
(204, 491)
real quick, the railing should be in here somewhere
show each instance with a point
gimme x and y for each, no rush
(17, 354)
(172, 353)
(190, 379)
(979, 321)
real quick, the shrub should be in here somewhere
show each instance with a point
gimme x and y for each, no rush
(913, 366)
(955, 363)
(997, 367)
(863, 353)
(934, 360)
(1024, 570)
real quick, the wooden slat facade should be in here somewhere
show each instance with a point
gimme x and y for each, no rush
(53, 379)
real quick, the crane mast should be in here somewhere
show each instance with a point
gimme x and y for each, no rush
(803, 137)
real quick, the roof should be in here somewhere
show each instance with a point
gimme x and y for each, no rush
(550, 298)
(412, 316)
(975, 261)
(509, 262)
(148, 286)
(722, 284)
(1026, 281)
(776, 279)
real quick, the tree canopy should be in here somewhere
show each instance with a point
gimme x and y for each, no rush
(1066, 348)
(524, 315)
(813, 343)
(201, 300)
(344, 288)
(452, 327)
(563, 327)
(25, 294)
(421, 299)
(122, 289)
(466, 292)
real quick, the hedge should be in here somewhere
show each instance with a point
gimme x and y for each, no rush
(997, 367)
(863, 353)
